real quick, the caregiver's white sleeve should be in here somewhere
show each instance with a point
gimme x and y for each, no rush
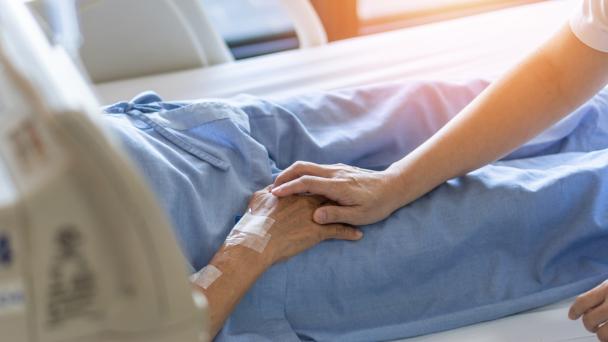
(590, 24)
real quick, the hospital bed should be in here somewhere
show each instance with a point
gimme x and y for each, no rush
(481, 46)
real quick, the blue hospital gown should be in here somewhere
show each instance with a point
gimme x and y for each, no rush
(525, 231)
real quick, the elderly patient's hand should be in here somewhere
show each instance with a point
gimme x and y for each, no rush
(294, 231)
(240, 265)
(593, 307)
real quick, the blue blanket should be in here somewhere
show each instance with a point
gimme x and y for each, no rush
(523, 232)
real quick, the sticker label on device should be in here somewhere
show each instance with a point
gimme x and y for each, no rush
(12, 298)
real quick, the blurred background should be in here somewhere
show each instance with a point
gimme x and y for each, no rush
(265, 28)
(186, 48)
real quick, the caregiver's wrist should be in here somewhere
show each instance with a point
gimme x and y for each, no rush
(405, 185)
(396, 192)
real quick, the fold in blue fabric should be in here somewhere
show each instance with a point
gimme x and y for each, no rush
(523, 232)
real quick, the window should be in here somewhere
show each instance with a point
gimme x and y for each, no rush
(382, 15)
(256, 27)
(252, 27)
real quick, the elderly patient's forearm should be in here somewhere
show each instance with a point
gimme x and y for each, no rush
(240, 268)
(292, 231)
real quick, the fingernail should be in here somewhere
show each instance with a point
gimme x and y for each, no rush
(359, 234)
(320, 216)
(276, 190)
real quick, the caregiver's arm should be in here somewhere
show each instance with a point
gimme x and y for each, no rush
(541, 90)
(548, 85)
(293, 232)
(544, 88)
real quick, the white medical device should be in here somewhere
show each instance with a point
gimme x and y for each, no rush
(86, 254)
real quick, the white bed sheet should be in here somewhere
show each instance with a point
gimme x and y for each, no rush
(482, 46)
(546, 324)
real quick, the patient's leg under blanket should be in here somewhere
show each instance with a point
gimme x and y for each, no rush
(520, 233)
(374, 126)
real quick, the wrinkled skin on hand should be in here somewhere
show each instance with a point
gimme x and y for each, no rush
(361, 196)
(294, 230)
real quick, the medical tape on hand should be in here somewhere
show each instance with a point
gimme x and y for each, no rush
(206, 276)
(252, 232)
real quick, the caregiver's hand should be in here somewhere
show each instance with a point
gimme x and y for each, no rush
(593, 307)
(294, 231)
(361, 196)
